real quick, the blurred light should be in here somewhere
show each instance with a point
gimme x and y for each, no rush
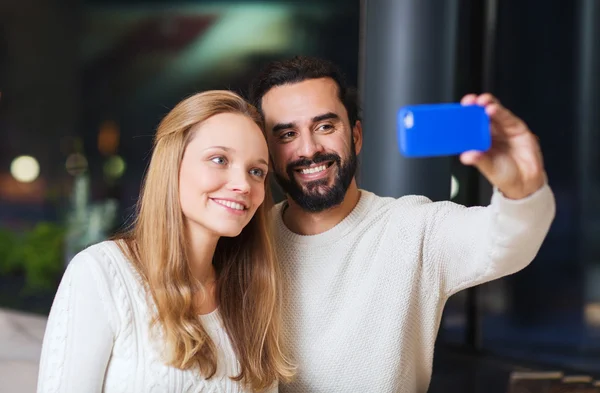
(114, 167)
(108, 138)
(25, 169)
(15, 191)
(454, 187)
(76, 164)
(239, 33)
(592, 314)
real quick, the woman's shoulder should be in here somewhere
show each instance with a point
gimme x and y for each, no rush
(107, 262)
(104, 255)
(105, 266)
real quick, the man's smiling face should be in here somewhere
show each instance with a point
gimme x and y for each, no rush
(312, 144)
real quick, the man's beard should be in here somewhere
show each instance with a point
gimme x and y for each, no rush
(317, 195)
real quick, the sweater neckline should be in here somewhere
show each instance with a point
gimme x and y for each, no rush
(212, 319)
(338, 231)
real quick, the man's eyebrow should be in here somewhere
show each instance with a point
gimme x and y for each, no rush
(282, 126)
(325, 116)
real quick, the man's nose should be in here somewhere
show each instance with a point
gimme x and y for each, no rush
(309, 146)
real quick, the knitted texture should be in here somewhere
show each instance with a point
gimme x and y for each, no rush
(98, 337)
(364, 299)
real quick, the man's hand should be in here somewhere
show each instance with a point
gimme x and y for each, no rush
(514, 163)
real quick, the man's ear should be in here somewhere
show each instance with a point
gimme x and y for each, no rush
(357, 136)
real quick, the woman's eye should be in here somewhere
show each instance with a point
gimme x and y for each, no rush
(257, 172)
(219, 160)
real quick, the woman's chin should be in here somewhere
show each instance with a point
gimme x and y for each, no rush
(228, 231)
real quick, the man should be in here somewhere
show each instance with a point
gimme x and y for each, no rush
(368, 276)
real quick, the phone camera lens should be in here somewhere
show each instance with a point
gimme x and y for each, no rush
(409, 120)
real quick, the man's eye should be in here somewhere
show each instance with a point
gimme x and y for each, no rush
(287, 135)
(325, 127)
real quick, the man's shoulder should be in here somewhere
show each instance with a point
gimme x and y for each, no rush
(278, 206)
(406, 210)
(393, 203)
(276, 210)
(372, 203)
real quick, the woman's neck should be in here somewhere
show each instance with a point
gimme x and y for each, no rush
(200, 258)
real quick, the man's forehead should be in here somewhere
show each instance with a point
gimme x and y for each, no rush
(309, 87)
(299, 116)
(301, 102)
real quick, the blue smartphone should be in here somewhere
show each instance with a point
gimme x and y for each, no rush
(442, 129)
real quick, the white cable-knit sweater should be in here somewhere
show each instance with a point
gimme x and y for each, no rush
(98, 337)
(365, 298)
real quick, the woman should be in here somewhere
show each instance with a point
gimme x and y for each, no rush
(188, 299)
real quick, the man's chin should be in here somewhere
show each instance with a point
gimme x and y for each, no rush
(317, 203)
(310, 195)
(314, 188)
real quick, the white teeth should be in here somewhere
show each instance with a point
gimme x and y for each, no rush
(230, 204)
(313, 170)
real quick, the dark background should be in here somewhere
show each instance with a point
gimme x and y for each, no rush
(85, 83)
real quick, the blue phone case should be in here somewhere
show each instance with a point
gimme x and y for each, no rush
(442, 129)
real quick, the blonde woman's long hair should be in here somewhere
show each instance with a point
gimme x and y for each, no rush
(248, 284)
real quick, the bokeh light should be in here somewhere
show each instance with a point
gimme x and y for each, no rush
(25, 169)
(454, 187)
(114, 167)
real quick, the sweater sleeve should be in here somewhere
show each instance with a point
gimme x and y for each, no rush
(79, 334)
(470, 246)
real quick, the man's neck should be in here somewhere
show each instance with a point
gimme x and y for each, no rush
(307, 223)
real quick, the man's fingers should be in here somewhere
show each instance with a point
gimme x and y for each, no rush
(469, 99)
(471, 157)
(494, 131)
(482, 161)
(486, 99)
(482, 99)
(505, 123)
(504, 120)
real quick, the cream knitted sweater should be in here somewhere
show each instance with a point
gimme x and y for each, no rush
(98, 338)
(365, 298)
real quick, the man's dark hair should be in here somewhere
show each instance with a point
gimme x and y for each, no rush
(298, 69)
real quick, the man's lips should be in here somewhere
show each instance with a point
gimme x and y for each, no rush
(314, 168)
(315, 171)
